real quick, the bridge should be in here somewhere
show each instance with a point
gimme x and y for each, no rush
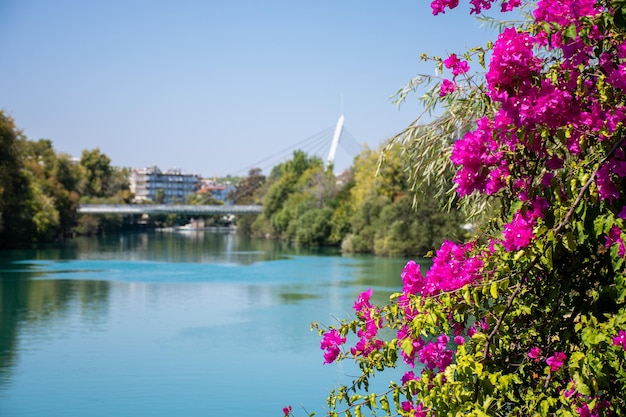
(194, 210)
(315, 143)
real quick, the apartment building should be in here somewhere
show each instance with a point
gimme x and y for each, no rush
(176, 185)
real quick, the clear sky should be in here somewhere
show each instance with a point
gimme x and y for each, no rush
(215, 87)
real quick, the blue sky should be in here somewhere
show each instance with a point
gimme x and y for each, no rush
(215, 88)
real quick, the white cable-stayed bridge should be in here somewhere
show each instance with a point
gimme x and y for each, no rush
(323, 144)
(316, 145)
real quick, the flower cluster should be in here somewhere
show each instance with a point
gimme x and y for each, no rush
(439, 6)
(608, 172)
(331, 342)
(513, 64)
(620, 339)
(453, 267)
(562, 14)
(551, 147)
(371, 321)
(535, 353)
(414, 410)
(556, 361)
(483, 167)
(457, 67)
(615, 236)
(435, 354)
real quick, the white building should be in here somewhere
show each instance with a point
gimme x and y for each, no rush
(145, 183)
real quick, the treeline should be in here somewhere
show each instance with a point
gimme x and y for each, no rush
(41, 189)
(305, 204)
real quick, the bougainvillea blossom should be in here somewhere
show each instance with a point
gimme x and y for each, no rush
(534, 353)
(549, 144)
(456, 65)
(331, 342)
(556, 361)
(615, 236)
(620, 339)
(439, 6)
(512, 64)
(447, 87)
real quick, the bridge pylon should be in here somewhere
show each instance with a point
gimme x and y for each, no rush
(335, 142)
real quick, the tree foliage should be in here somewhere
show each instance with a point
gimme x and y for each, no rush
(40, 189)
(15, 208)
(360, 211)
(527, 318)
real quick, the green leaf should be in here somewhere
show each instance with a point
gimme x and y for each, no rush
(407, 346)
(479, 368)
(569, 241)
(570, 32)
(598, 225)
(591, 337)
(581, 387)
(371, 403)
(384, 404)
(493, 289)
(575, 358)
(466, 295)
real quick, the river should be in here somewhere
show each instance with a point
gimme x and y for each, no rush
(172, 324)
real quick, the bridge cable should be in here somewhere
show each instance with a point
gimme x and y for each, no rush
(290, 148)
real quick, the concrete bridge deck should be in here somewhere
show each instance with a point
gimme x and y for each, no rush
(167, 209)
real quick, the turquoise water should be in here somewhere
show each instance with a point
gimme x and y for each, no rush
(174, 325)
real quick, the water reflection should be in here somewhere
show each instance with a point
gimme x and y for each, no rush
(118, 318)
(29, 305)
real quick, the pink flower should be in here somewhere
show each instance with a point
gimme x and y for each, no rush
(607, 190)
(418, 411)
(408, 376)
(366, 346)
(483, 167)
(615, 167)
(507, 6)
(435, 355)
(456, 65)
(287, 410)
(620, 339)
(615, 236)
(416, 346)
(584, 411)
(412, 278)
(480, 5)
(331, 341)
(453, 267)
(362, 303)
(459, 340)
(512, 63)
(534, 353)
(556, 361)
(554, 162)
(447, 87)
(571, 391)
(518, 233)
(439, 6)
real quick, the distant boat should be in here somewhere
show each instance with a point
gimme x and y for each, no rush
(193, 226)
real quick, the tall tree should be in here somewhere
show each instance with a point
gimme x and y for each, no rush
(98, 172)
(16, 225)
